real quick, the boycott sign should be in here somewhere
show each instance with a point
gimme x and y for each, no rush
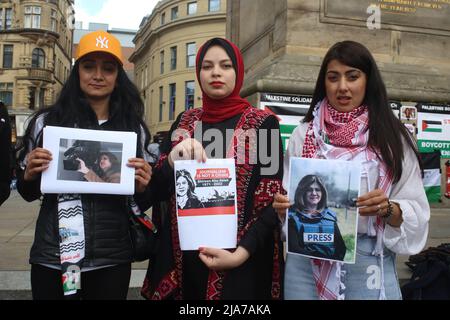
(426, 146)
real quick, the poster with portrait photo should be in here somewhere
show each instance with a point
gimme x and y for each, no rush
(89, 161)
(408, 113)
(323, 218)
(206, 203)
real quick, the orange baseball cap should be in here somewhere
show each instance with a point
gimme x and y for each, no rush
(99, 41)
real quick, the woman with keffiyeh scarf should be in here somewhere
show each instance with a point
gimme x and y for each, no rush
(350, 119)
(252, 271)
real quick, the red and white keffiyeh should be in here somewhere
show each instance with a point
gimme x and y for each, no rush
(344, 136)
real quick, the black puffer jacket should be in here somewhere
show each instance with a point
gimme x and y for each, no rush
(105, 225)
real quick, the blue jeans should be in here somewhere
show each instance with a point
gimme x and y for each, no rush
(362, 279)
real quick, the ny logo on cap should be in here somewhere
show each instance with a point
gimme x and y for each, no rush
(102, 43)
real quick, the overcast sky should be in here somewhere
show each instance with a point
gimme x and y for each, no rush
(121, 14)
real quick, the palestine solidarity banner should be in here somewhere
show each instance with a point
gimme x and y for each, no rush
(432, 175)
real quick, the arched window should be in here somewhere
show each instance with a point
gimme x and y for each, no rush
(38, 60)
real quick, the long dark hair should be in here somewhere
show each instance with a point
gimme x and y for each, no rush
(126, 111)
(300, 193)
(385, 130)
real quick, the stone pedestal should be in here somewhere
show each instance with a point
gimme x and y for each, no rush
(284, 41)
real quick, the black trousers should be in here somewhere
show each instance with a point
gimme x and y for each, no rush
(103, 284)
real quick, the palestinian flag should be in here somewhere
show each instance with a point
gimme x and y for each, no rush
(431, 126)
(432, 175)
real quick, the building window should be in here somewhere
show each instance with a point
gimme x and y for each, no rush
(36, 98)
(191, 49)
(172, 97)
(163, 18)
(152, 68)
(190, 95)
(54, 22)
(174, 13)
(8, 56)
(146, 76)
(41, 98)
(191, 8)
(161, 56)
(38, 59)
(5, 18)
(33, 17)
(173, 58)
(6, 93)
(214, 5)
(161, 104)
(32, 101)
(8, 19)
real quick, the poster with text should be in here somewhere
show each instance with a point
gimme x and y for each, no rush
(206, 204)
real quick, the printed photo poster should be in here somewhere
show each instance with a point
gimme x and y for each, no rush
(206, 204)
(323, 218)
(408, 116)
(89, 161)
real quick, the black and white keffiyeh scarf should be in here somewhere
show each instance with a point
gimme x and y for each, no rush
(71, 241)
(72, 237)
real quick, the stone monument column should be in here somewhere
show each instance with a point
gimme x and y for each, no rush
(284, 41)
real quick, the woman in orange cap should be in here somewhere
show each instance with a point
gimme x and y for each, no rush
(97, 95)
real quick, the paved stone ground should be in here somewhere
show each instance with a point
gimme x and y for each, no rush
(17, 224)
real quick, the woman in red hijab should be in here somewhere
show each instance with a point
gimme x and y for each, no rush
(252, 271)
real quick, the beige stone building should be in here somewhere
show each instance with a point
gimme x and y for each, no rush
(35, 54)
(166, 46)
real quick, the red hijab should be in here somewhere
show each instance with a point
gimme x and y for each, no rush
(218, 110)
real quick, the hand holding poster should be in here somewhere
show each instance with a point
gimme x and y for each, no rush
(89, 161)
(206, 204)
(322, 221)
